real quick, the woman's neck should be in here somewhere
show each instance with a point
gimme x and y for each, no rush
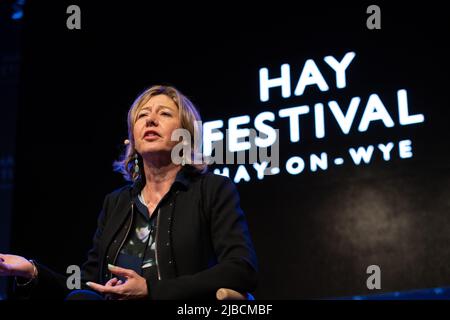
(159, 174)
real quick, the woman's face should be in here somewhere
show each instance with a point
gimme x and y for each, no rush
(155, 122)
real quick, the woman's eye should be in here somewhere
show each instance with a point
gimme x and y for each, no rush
(142, 115)
(166, 114)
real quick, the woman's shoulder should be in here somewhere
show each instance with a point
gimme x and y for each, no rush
(220, 190)
(218, 178)
(120, 192)
(214, 183)
(207, 176)
(209, 180)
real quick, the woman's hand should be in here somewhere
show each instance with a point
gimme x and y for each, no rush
(112, 283)
(11, 265)
(135, 286)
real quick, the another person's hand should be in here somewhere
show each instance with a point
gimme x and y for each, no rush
(12, 265)
(135, 286)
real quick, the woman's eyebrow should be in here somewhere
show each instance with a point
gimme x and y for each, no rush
(164, 106)
(160, 106)
(144, 108)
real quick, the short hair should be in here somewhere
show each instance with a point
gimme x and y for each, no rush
(189, 117)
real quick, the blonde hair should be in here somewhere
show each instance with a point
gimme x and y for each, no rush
(189, 116)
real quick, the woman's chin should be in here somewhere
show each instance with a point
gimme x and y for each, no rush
(153, 151)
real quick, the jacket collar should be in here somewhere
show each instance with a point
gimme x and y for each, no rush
(183, 180)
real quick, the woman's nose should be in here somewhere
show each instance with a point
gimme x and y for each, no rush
(152, 120)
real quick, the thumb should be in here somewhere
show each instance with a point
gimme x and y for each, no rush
(128, 273)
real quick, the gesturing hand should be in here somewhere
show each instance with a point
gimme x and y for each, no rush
(135, 286)
(12, 265)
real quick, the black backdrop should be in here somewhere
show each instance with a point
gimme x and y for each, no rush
(315, 233)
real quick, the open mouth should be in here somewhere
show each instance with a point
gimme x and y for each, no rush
(150, 135)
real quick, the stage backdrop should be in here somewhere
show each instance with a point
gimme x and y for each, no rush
(358, 117)
(10, 30)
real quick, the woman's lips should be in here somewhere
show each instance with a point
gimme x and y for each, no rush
(151, 136)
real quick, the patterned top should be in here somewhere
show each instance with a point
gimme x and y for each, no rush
(138, 251)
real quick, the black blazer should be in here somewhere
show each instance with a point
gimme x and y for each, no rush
(203, 241)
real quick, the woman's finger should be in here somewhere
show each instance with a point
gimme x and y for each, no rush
(111, 282)
(5, 266)
(101, 289)
(127, 273)
(96, 287)
(5, 269)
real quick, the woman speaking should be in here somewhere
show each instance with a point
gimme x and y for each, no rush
(175, 232)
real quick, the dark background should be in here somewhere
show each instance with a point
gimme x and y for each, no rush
(315, 233)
